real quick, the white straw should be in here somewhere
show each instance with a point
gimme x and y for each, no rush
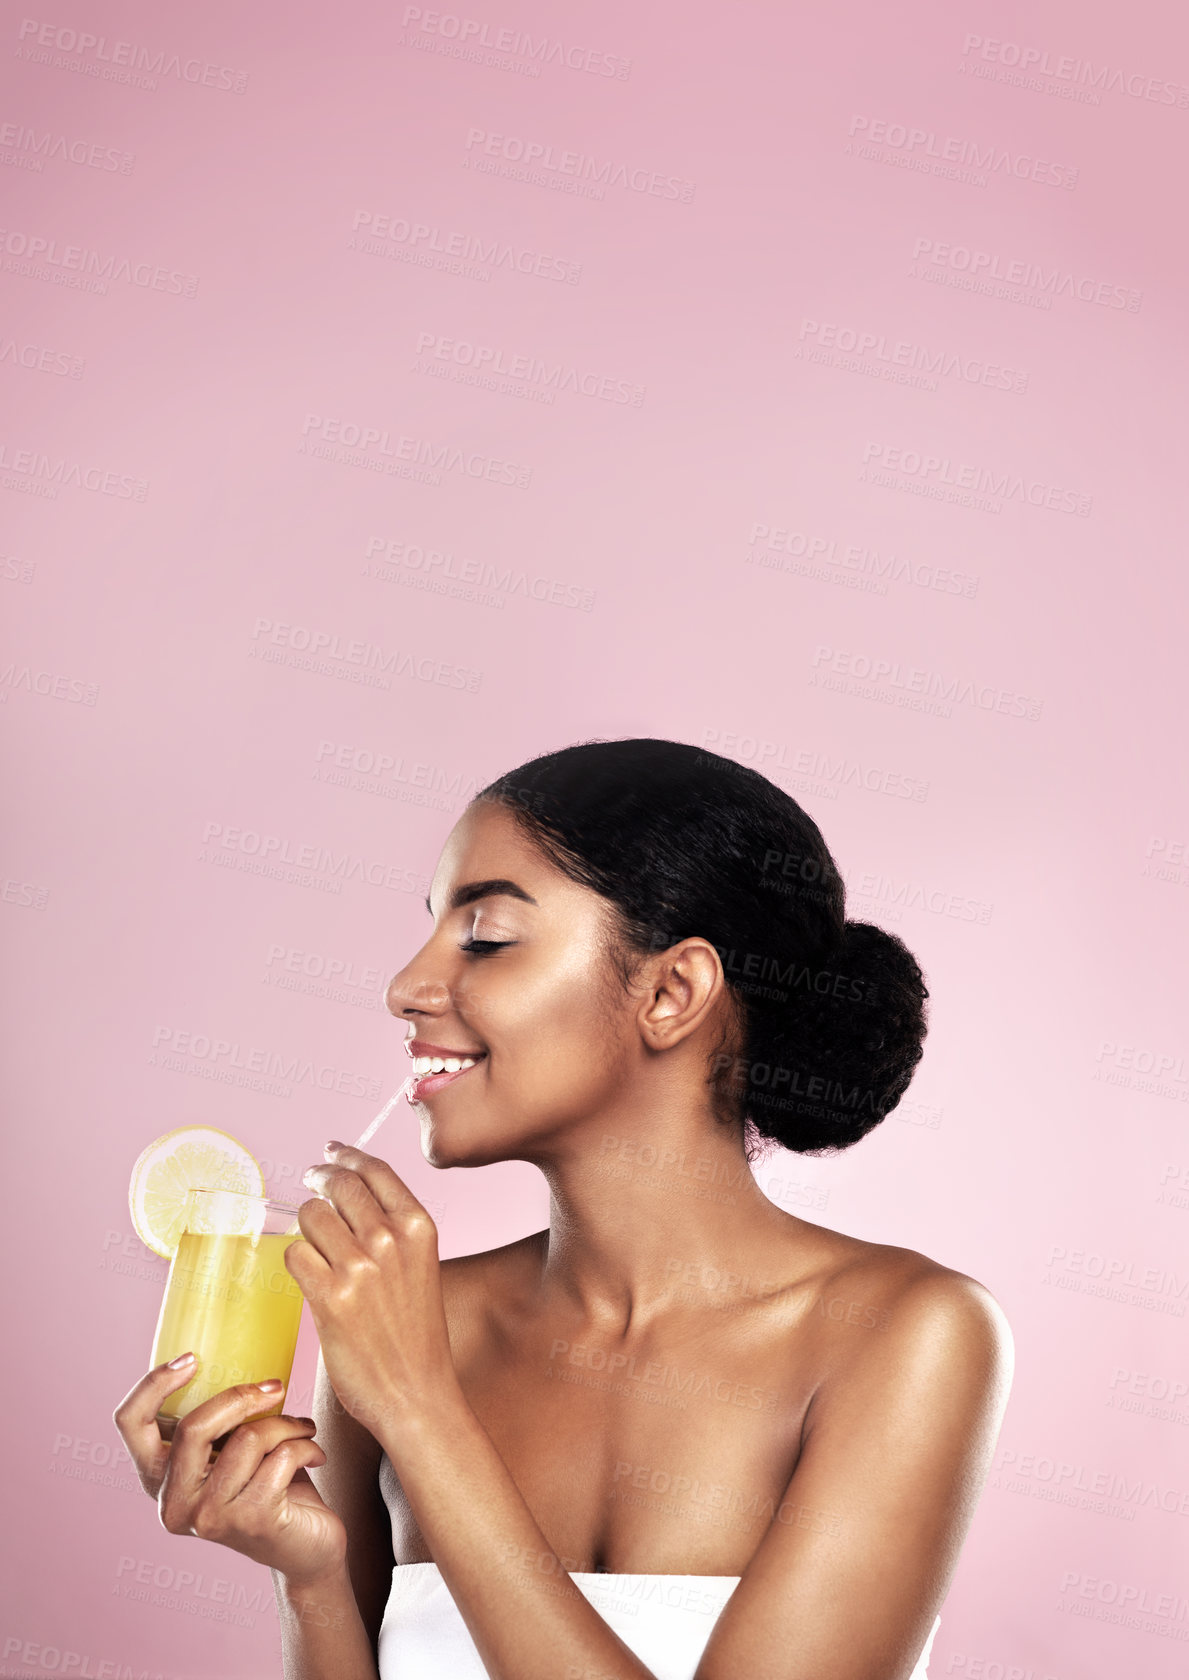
(369, 1134)
(370, 1131)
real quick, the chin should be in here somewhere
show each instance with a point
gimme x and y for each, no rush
(441, 1149)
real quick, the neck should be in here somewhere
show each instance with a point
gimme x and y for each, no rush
(651, 1216)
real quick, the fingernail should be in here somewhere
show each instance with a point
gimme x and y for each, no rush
(329, 1148)
(271, 1386)
(182, 1359)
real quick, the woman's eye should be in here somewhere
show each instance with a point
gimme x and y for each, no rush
(481, 947)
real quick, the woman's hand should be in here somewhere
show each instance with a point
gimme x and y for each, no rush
(255, 1495)
(370, 1271)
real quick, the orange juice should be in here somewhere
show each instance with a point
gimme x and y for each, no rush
(230, 1300)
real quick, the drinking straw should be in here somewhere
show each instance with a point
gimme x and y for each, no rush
(369, 1132)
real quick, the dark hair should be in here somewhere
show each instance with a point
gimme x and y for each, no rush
(826, 1018)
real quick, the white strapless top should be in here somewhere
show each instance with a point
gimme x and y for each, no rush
(665, 1620)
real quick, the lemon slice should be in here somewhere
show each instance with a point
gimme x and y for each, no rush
(188, 1158)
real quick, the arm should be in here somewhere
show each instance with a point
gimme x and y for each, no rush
(331, 1628)
(848, 1580)
(255, 1495)
(527, 1618)
(322, 1636)
(371, 1274)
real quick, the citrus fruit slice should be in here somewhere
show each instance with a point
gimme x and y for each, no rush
(190, 1157)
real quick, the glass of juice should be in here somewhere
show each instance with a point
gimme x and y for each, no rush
(229, 1299)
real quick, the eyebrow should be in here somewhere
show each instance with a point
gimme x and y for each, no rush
(469, 891)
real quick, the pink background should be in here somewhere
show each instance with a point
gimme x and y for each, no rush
(844, 390)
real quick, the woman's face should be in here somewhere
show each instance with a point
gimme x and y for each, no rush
(556, 1031)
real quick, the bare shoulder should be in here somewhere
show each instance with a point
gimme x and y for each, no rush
(933, 1298)
(935, 1323)
(472, 1284)
(903, 1276)
(485, 1265)
(912, 1361)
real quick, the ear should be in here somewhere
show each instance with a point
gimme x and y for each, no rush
(684, 985)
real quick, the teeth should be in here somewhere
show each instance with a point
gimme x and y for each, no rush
(442, 1064)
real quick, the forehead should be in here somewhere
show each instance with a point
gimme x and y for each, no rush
(488, 830)
(488, 843)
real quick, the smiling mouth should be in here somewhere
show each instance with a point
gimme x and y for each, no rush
(436, 1072)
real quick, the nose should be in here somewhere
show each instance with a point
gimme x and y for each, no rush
(412, 993)
(429, 986)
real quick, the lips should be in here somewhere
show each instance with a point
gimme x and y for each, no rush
(422, 1047)
(428, 1083)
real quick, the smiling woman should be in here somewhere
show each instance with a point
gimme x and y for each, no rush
(678, 1434)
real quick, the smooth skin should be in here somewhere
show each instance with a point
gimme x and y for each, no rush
(805, 1410)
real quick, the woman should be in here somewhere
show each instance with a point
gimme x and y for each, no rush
(679, 1432)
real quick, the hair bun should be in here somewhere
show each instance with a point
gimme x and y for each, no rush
(831, 1062)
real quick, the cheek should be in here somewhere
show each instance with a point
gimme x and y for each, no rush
(558, 1028)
